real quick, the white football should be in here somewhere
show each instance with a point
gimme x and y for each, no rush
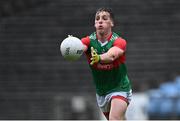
(71, 48)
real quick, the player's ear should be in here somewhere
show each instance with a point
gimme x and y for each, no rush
(94, 24)
(112, 24)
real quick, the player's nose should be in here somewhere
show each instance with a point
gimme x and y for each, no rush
(100, 21)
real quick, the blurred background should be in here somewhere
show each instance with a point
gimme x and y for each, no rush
(37, 83)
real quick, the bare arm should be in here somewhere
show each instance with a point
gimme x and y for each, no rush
(85, 48)
(111, 55)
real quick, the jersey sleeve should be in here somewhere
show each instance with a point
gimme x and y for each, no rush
(121, 43)
(86, 41)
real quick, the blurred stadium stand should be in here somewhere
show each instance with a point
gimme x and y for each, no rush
(33, 73)
(164, 101)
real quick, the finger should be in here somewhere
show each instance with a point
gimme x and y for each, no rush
(93, 56)
(92, 59)
(92, 51)
(92, 63)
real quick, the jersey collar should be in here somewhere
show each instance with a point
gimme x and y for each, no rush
(109, 38)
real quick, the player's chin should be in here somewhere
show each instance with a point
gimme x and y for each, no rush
(100, 31)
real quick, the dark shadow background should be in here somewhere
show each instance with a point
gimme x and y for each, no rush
(33, 75)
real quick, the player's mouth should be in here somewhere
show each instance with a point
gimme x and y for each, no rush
(100, 27)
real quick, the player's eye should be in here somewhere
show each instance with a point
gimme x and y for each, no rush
(97, 18)
(105, 18)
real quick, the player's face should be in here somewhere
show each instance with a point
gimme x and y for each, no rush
(103, 22)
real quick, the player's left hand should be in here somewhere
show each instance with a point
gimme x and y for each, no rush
(95, 57)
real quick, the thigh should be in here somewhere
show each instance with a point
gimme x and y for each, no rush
(114, 104)
(119, 104)
(118, 109)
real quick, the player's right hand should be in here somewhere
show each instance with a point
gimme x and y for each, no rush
(95, 58)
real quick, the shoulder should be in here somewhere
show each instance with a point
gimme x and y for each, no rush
(120, 42)
(86, 40)
(120, 39)
(117, 38)
(93, 36)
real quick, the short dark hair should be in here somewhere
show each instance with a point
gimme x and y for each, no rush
(109, 10)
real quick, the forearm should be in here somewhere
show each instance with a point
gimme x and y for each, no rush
(111, 55)
(85, 48)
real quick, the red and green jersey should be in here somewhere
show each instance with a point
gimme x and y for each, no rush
(108, 77)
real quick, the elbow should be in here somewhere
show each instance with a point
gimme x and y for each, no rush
(113, 58)
(107, 58)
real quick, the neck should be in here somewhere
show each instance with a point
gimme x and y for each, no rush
(103, 36)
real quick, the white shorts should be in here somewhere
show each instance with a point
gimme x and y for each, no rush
(104, 101)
